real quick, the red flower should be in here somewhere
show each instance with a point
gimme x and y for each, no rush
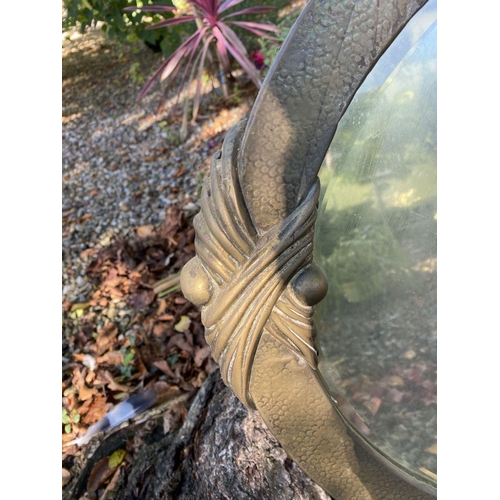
(258, 59)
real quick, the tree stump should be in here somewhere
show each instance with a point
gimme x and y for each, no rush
(221, 451)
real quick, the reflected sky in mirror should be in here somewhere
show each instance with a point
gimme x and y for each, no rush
(376, 241)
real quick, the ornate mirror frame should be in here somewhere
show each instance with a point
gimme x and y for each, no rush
(254, 276)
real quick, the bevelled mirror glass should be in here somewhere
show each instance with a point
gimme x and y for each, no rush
(376, 240)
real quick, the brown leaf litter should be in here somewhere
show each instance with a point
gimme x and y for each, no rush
(162, 344)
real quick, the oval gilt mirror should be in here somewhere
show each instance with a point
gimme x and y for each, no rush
(349, 389)
(376, 240)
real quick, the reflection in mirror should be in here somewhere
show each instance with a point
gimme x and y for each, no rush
(376, 241)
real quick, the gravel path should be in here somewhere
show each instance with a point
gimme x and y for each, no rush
(129, 187)
(123, 164)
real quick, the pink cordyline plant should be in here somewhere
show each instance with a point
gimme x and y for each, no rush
(212, 27)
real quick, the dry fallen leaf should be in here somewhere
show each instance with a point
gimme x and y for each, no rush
(394, 396)
(395, 381)
(433, 448)
(165, 368)
(211, 366)
(89, 252)
(141, 299)
(162, 305)
(373, 405)
(180, 171)
(86, 393)
(200, 378)
(105, 339)
(66, 438)
(78, 379)
(65, 477)
(428, 472)
(84, 407)
(174, 417)
(179, 340)
(145, 231)
(115, 293)
(115, 386)
(100, 473)
(97, 410)
(201, 355)
(183, 324)
(71, 402)
(159, 329)
(165, 317)
(112, 279)
(112, 484)
(113, 358)
(166, 392)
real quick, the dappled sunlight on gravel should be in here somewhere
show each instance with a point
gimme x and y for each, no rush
(123, 164)
(130, 190)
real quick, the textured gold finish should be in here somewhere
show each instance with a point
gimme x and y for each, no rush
(195, 283)
(255, 283)
(256, 293)
(295, 406)
(329, 51)
(254, 276)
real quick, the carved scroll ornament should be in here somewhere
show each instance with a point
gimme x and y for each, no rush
(249, 282)
(254, 276)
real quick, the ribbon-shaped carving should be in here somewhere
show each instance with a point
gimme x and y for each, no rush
(249, 282)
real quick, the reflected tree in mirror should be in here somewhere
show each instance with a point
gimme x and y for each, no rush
(376, 241)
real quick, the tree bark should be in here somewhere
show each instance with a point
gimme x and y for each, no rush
(221, 451)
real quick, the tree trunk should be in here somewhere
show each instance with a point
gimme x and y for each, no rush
(221, 451)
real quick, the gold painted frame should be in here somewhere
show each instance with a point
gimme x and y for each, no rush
(254, 276)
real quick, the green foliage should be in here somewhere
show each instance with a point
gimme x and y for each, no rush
(65, 416)
(276, 17)
(127, 365)
(116, 458)
(172, 359)
(69, 418)
(366, 262)
(190, 33)
(199, 184)
(379, 187)
(270, 48)
(135, 73)
(172, 137)
(122, 25)
(129, 356)
(126, 372)
(214, 35)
